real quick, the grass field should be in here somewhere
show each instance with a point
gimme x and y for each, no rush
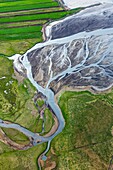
(15, 100)
(27, 17)
(20, 160)
(21, 22)
(86, 141)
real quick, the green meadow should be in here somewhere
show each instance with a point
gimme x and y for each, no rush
(87, 139)
(24, 19)
(21, 22)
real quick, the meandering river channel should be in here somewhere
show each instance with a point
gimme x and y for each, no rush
(47, 92)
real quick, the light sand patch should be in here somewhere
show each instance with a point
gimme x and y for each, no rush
(84, 3)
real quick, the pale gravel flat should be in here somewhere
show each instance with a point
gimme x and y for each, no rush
(84, 3)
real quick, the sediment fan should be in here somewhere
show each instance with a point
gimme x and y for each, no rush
(78, 53)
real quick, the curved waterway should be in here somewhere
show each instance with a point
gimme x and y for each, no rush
(36, 138)
(50, 100)
(22, 61)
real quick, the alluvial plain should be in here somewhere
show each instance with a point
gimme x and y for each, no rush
(86, 141)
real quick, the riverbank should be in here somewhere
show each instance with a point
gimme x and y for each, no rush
(81, 89)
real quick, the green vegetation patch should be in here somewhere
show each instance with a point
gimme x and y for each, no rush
(24, 19)
(4, 148)
(86, 141)
(48, 121)
(37, 125)
(21, 30)
(8, 48)
(40, 102)
(16, 136)
(10, 7)
(15, 98)
(21, 160)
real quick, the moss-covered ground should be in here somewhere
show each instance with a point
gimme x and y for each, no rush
(86, 142)
(20, 160)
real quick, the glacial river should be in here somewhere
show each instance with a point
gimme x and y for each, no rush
(49, 100)
(48, 93)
